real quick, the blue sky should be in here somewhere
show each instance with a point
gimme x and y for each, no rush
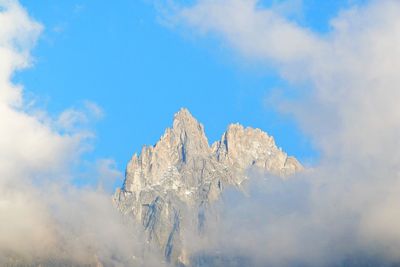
(140, 72)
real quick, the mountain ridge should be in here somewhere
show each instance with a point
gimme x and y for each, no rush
(182, 172)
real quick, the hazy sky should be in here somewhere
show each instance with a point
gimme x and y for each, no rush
(139, 69)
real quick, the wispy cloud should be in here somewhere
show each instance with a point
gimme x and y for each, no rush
(347, 81)
(79, 8)
(43, 216)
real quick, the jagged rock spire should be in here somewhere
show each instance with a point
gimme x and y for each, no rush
(242, 148)
(181, 171)
(179, 146)
(190, 134)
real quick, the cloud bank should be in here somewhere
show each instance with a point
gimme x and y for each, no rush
(346, 209)
(44, 219)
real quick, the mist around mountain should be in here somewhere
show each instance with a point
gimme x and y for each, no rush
(242, 201)
(171, 188)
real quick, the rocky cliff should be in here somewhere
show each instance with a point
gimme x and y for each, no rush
(182, 174)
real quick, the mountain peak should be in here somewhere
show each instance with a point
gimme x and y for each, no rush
(185, 122)
(182, 172)
(183, 114)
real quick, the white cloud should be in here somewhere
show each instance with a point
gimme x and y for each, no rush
(253, 30)
(43, 216)
(18, 33)
(348, 86)
(28, 144)
(351, 70)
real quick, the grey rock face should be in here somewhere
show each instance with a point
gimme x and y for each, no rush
(241, 148)
(182, 172)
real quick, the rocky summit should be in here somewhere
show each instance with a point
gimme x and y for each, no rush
(182, 173)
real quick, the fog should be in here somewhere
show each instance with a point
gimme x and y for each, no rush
(344, 210)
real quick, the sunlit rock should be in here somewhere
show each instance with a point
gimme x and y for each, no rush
(182, 175)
